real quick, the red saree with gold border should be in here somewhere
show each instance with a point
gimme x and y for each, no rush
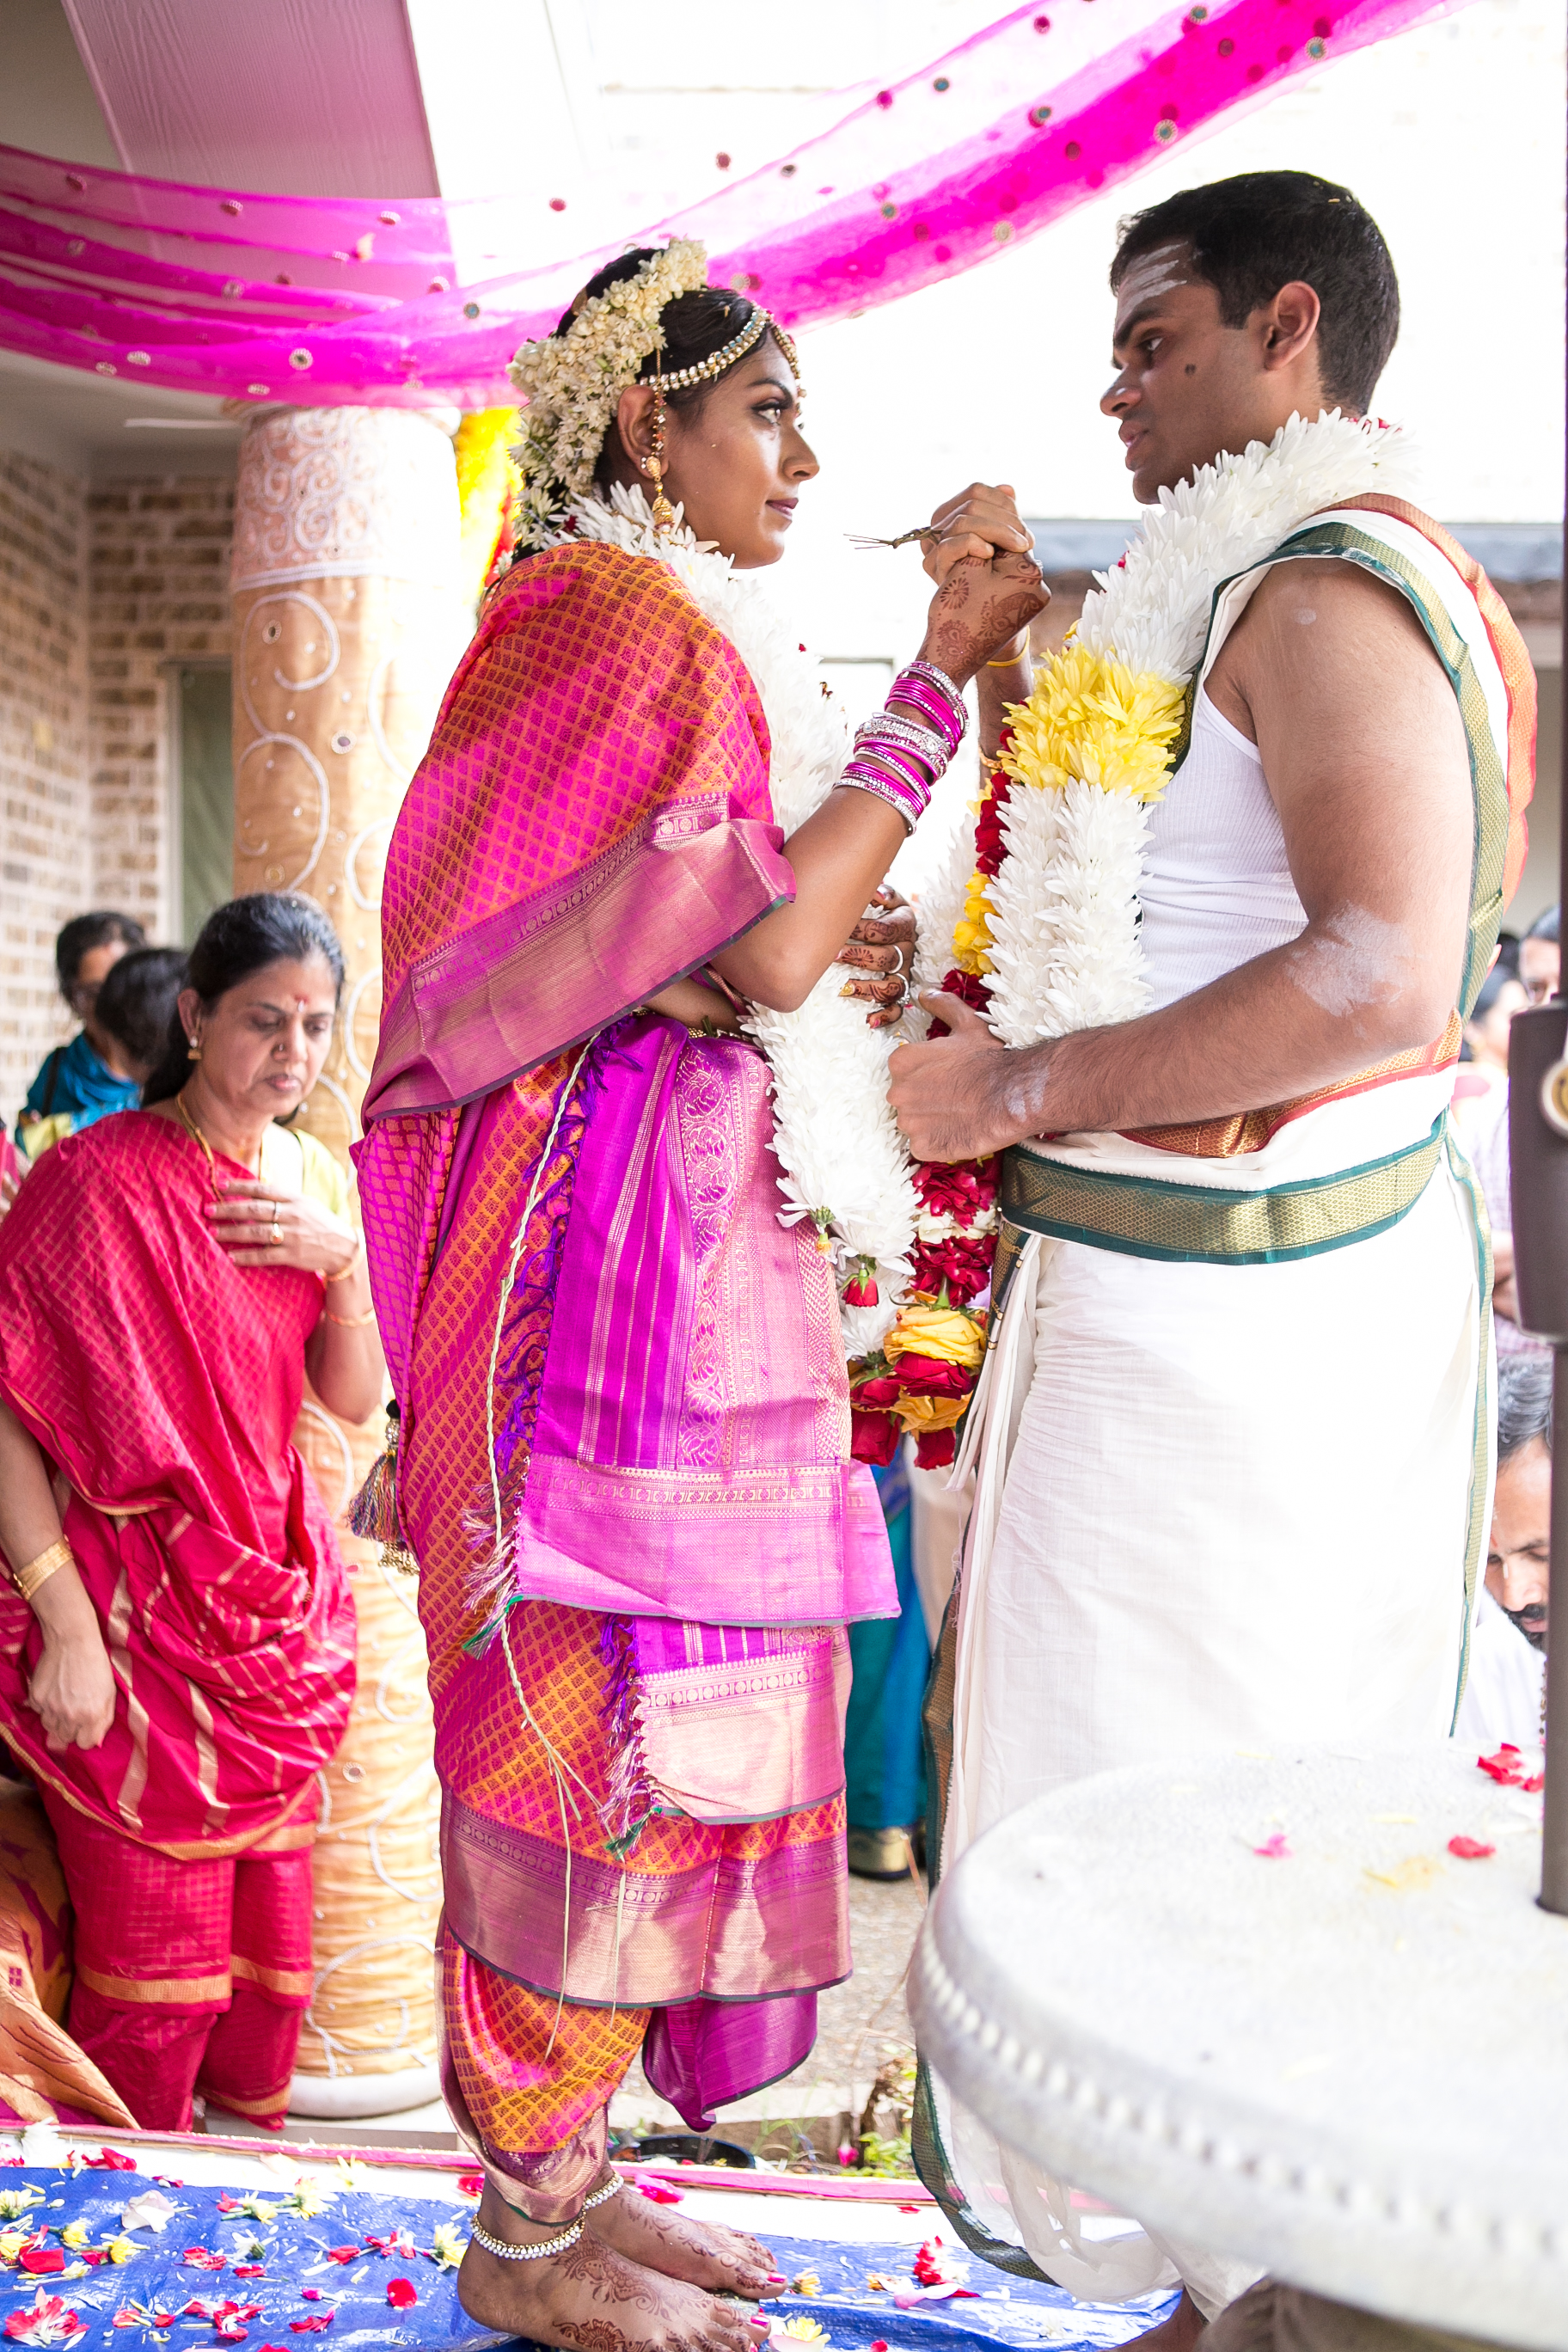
(163, 1382)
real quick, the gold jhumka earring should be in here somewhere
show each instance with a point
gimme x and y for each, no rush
(653, 465)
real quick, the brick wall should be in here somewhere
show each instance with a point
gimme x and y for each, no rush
(44, 827)
(159, 595)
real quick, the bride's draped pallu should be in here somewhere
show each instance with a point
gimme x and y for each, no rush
(163, 1382)
(624, 1459)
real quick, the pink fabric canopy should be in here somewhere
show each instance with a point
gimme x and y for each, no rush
(324, 301)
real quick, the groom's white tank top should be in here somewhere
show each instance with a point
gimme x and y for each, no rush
(1218, 888)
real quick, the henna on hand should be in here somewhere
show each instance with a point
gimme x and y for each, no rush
(979, 607)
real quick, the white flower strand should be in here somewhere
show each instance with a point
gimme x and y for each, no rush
(1063, 908)
(845, 1163)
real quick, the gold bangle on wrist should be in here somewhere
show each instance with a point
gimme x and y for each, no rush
(1011, 661)
(353, 1261)
(38, 1571)
(349, 1322)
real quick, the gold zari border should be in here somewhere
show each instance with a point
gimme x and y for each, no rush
(181, 1991)
(1143, 1216)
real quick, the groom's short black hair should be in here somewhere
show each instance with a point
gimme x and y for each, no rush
(1250, 236)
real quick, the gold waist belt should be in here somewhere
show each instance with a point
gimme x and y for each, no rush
(1144, 1216)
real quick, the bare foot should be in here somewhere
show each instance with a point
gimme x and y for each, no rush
(704, 2252)
(591, 2299)
(1180, 2332)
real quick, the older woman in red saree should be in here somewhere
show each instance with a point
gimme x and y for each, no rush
(624, 1453)
(176, 1640)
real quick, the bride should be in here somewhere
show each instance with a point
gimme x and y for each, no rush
(625, 1124)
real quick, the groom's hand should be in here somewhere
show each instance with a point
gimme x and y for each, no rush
(983, 520)
(951, 1095)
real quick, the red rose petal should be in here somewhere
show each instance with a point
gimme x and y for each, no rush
(341, 2254)
(401, 2294)
(470, 2184)
(1470, 1849)
(41, 2261)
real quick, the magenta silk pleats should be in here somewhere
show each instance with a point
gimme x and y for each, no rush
(688, 1453)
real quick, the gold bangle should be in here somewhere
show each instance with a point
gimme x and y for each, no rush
(349, 1322)
(38, 1571)
(353, 1261)
(1012, 661)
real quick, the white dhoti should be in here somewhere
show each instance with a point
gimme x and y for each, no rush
(1220, 1507)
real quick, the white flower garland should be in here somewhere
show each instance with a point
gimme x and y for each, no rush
(846, 1166)
(1063, 949)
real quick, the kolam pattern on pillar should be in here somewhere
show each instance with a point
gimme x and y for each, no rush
(348, 621)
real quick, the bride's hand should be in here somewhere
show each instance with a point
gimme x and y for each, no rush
(983, 520)
(880, 952)
(979, 609)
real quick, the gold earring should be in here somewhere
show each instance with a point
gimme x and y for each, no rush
(193, 1048)
(653, 465)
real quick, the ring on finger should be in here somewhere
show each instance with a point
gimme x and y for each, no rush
(275, 1238)
(898, 970)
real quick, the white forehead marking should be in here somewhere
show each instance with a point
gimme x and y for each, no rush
(1152, 274)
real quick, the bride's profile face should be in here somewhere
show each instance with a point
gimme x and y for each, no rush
(736, 461)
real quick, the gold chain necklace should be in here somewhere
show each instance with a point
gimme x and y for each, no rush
(191, 1128)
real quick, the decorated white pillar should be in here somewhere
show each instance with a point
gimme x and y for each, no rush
(348, 622)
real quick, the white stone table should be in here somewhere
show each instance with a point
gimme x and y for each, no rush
(1347, 2062)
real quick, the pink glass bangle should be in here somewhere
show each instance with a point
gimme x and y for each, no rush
(900, 766)
(915, 695)
(861, 777)
(902, 761)
(939, 679)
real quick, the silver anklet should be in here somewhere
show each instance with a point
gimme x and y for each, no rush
(610, 2189)
(560, 2245)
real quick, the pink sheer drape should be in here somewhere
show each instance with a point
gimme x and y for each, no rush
(329, 300)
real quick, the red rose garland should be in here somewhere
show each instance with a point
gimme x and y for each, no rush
(903, 1388)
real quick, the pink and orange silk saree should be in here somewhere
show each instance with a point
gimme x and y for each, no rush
(163, 1382)
(624, 1419)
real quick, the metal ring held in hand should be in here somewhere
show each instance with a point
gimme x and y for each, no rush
(898, 970)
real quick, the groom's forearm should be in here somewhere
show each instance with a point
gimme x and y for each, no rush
(1305, 1015)
(1261, 1034)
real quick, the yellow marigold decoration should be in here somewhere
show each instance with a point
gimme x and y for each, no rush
(488, 482)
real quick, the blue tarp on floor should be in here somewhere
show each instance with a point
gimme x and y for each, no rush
(297, 2292)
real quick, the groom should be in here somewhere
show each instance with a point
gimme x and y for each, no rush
(1244, 1499)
